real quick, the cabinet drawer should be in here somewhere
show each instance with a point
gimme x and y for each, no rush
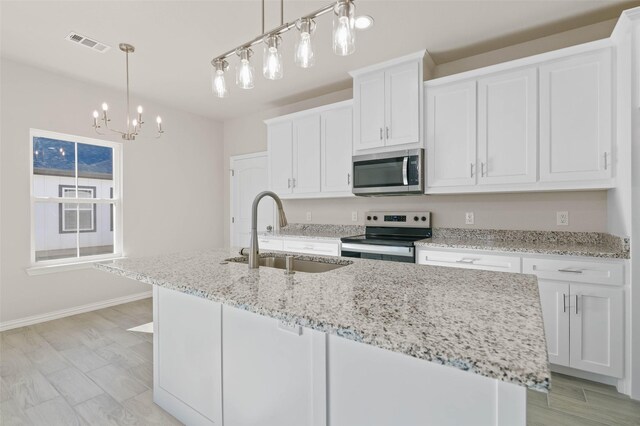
(575, 270)
(469, 261)
(265, 243)
(313, 247)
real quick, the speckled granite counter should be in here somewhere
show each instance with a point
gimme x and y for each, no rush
(590, 244)
(488, 323)
(315, 231)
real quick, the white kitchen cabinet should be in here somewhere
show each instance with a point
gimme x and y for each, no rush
(387, 107)
(486, 262)
(555, 300)
(596, 326)
(306, 154)
(451, 135)
(267, 243)
(273, 373)
(319, 247)
(336, 145)
(193, 395)
(576, 117)
(280, 147)
(508, 127)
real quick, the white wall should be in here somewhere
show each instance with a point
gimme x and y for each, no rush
(172, 187)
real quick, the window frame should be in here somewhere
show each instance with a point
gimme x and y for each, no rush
(62, 209)
(116, 201)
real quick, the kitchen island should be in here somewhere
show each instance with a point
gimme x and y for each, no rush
(369, 343)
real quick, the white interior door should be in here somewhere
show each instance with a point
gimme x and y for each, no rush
(554, 298)
(249, 178)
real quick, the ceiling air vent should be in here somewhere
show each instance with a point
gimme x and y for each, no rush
(87, 42)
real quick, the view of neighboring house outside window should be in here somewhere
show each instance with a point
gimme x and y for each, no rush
(67, 172)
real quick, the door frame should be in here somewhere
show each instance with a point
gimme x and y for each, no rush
(232, 159)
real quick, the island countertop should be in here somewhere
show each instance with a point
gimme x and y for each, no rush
(488, 323)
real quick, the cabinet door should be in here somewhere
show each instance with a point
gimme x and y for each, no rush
(187, 333)
(368, 108)
(280, 141)
(508, 127)
(451, 135)
(554, 298)
(596, 329)
(274, 374)
(402, 105)
(575, 118)
(306, 154)
(336, 149)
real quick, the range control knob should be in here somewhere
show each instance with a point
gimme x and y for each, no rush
(368, 217)
(424, 218)
(375, 218)
(416, 218)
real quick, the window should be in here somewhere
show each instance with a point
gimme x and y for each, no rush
(75, 199)
(69, 212)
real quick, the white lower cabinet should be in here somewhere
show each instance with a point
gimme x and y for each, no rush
(555, 314)
(273, 373)
(298, 245)
(192, 395)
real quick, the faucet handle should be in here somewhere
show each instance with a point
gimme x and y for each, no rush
(244, 251)
(269, 228)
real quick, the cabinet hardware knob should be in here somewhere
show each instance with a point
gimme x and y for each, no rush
(482, 169)
(348, 178)
(289, 183)
(471, 164)
(380, 133)
(387, 132)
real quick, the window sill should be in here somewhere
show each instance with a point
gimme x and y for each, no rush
(68, 266)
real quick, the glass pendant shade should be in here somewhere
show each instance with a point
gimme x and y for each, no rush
(344, 34)
(244, 70)
(272, 58)
(304, 56)
(218, 82)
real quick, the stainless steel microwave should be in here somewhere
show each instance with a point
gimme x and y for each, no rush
(389, 173)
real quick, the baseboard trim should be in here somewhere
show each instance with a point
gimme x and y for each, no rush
(35, 319)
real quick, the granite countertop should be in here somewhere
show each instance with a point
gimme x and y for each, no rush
(488, 323)
(315, 231)
(590, 244)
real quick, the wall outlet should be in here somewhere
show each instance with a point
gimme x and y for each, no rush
(308, 216)
(468, 218)
(354, 216)
(562, 218)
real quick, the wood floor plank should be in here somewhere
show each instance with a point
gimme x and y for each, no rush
(74, 386)
(608, 415)
(83, 358)
(47, 360)
(26, 341)
(540, 416)
(117, 382)
(29, 388)
(103, 410)
(143, 407)
(144, 350)
(53, 412)
(61, 339)
(123, 337)
(13, 362)
(144, 373)
(116, 354)
(124, 321)
(12, 415)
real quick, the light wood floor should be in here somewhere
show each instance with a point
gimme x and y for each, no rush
(89, 370)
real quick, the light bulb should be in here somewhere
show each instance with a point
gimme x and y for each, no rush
(304, 56)
(244, 70)
(218, 82)
(272, 58)
(159, 120)
(95, 114)
(134, 123)
(344, 35)
(105, 107)
(139, 109)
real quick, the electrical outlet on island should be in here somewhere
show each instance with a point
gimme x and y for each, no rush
(562, 218)
(354, 216)
(468, 218)
(308, 216)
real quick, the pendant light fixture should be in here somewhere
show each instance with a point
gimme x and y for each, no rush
(133, 125)
(218, 82)
(344, 38)
(305, 57)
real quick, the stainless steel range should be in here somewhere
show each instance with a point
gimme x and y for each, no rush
(389, 236)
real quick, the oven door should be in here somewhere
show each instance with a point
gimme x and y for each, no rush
(398, 172)
(369, 251)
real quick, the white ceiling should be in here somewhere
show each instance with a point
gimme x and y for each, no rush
(176, 40)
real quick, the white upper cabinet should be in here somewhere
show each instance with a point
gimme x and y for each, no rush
(306, 154)
(335, 146)
(369, 116)
(310, 152)
(508, 127)
(575, 117)
(451, 134)
(280, 146)
(387, 107)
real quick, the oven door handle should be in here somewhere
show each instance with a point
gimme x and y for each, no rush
(374, 249)
(405, 171)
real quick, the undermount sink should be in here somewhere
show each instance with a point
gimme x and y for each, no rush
(299, 265)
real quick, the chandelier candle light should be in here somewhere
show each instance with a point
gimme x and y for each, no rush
(133, 125)
(344, 38)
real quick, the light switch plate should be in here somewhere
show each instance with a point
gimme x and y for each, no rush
(562, 218)
(308, 216)
(354, 216)
(468, 218)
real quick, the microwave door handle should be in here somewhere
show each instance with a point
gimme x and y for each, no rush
(405, 171)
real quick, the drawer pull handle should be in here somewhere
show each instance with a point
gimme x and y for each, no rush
(564, 302)
(572, 271)
(576, 304)
(466, 260)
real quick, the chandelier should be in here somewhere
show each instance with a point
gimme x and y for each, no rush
(344, 38)
(133, 125)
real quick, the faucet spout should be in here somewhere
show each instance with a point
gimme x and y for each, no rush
(282, 220)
